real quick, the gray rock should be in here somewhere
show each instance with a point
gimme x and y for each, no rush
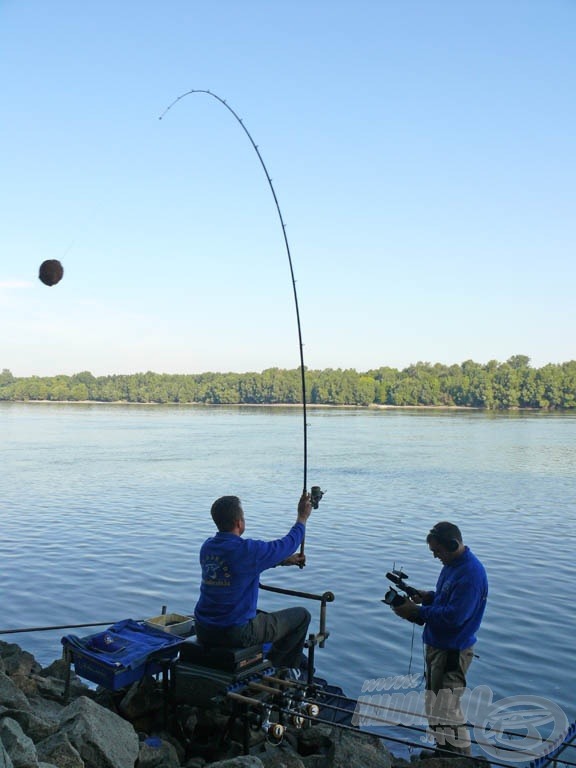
(38, 728)
(280, 757)
(244, 761)
(5, 761)
(450, 762)
(58, 750)
(10, 695)
(20, 747)
(49, 688)
(196, 762)
(47, 709)
(17, 661)
(158, 753)
(360, 750)
(141, 699)
(103, 739)
(342, 749)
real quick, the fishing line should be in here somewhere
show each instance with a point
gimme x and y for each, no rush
(318, 493)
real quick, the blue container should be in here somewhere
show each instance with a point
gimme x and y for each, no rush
(127, 651)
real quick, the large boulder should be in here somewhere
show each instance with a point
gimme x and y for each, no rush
(38, 728)
(58, 751)
(16, 661)
(102, 738)
(156, 752)
(11, 696)
(243, 761)
(20, 747)
(331, 747)
(5, 761)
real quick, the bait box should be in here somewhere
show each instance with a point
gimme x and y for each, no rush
(174, 623)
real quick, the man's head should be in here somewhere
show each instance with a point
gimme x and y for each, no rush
(445, 542)
(228, 515)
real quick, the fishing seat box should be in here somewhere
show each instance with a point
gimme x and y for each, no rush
(202, 673)
(124, 653)
(225, 659)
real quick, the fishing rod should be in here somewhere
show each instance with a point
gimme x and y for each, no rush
(60, 626)
(315, 492)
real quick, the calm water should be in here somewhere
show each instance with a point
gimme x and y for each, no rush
(103, 509)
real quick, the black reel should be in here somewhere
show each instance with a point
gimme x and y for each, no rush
(316, 494)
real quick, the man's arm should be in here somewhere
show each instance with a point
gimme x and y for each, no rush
(282, 551)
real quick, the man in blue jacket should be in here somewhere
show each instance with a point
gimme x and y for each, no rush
(231, 567)
(451, 614)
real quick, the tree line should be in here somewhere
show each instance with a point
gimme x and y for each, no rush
(492, 386)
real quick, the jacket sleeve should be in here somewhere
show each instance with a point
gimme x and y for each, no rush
(454, 610)
(267, 554)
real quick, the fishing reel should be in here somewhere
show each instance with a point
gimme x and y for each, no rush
(316, 494)
(393, 598)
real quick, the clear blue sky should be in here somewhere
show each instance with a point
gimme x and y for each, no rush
(423, 154)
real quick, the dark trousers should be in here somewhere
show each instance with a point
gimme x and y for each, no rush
(286, 630)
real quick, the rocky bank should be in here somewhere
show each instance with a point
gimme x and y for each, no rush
(100, 729)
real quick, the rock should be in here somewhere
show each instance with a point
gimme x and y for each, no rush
(17, 661)
(20, 747)
(342, 748)
(244, 761)
(10, 695)
(279, 757)
(363, 750)
(36, 727)
(58, 750)
(450, 762)
(142, 699)
(316, 741)
(47, 709)
(5, 761)
(158, 753)
(196, 762)
(103, 739)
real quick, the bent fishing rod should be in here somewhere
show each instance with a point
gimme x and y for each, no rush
(315, 492)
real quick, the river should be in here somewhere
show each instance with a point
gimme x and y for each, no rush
(103, 509)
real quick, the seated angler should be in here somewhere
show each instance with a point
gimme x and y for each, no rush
(226, 614)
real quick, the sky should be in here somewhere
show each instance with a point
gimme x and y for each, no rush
(423, 154)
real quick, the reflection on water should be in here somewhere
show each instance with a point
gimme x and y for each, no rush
(103, 509)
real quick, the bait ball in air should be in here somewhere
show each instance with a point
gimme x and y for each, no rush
(51, 272)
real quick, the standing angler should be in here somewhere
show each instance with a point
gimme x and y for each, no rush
(452, 614)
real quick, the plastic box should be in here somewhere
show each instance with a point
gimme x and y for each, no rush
(175, 623)
(125, 652)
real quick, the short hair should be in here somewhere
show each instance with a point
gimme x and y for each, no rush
(226, 511)
(444, 532)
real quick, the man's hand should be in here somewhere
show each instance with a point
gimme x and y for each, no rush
(408, 610)
(304, 508)
(295, 559)
(422, 596)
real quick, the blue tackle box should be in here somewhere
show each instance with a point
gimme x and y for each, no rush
(127, 651)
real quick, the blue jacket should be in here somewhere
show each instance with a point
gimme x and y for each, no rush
(454, 616)
(231, 568)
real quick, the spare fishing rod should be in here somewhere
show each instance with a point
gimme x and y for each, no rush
(315, 492)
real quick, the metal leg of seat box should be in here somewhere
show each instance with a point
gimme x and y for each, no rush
(167, 689)
(68, 679)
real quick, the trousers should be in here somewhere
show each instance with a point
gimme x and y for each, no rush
(445, 684)
(286, 630)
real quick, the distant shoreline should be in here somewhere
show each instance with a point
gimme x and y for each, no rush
(315, 406)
